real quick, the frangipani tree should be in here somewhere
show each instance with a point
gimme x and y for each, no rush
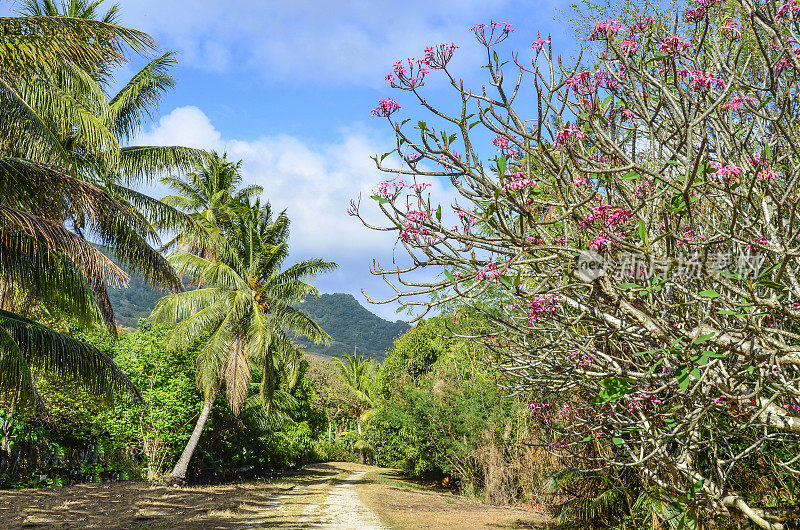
(634, 241)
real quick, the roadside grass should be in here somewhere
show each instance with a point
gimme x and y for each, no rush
(404, 504)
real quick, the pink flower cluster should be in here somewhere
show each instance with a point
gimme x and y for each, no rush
(629, 47)
(505, 145)
(689, 236)
(586, 82)
(389, 189)
(789, 407)
(540, 410)
(643, 24)
(702, 81)
(701, 11)
(737, 102)
(438, 56)
(542, 307)
(605, 30)
(579, 360)
(731, 30)
(624, 114)
(568, 136)
(607, 216)
(673, 44)
(583, 83)
(786, 61)
(489, 272)
(602, 242)
(579, 182)
(641, 401)
(725, 172)
(767, 174)
(518, 182)
(643, 189)
(410, 78)
(467, 218)
(539, 43)
(498, 32)
(413, 228)
(758, 242)
(385, 108)
(788, 10)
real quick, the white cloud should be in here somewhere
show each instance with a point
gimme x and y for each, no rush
(312, 40)
(314, 183)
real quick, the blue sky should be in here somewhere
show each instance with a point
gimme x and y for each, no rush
(287, 87)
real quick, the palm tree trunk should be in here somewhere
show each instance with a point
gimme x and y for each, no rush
(178, 475)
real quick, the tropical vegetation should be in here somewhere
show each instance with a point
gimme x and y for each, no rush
(605, 314)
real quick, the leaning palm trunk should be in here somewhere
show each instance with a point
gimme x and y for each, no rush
(178, 475)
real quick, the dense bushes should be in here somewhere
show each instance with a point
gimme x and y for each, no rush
(441, 416)
(145, 438)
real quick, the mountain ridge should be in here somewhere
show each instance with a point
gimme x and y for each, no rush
(352, 327)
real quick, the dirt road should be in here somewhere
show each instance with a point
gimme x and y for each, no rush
(332, 495)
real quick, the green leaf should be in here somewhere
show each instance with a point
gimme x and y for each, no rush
(772, 285)
(617, 441)
(613, 389)
(643, 231)
(703, 338)
(628, 285)
(439, 213)
(709, 293)
(631, 175)
(683, 377)
(502, 164)
(380, 199)
(384, 155)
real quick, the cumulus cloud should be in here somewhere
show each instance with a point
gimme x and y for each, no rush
(313, 182)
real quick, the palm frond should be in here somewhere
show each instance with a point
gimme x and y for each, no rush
(62, 357)
(145, 163)
(140, 98)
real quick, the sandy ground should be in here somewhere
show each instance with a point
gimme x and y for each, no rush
(323, 496)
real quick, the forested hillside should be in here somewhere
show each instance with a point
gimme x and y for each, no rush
(349, 323)
(351, 326)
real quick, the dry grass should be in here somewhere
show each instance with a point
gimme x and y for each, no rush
(404, 505)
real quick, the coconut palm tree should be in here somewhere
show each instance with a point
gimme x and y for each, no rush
(244, 304)
(209, 195)
(89, 9)
(357, 373)
(48, 93)
(113, 167)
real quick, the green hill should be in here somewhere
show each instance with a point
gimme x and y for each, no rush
(346, 321)
(350, 325)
